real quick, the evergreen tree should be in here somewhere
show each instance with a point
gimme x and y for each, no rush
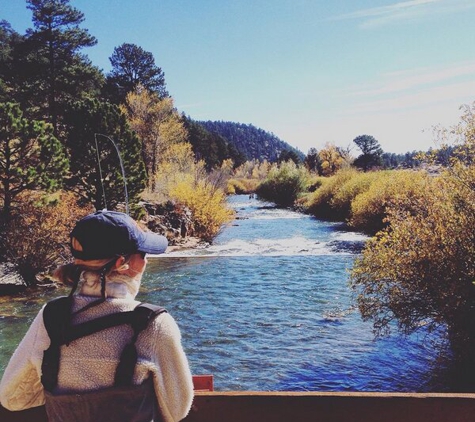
(252, 142)
(92, 120)
(133, 66)
(312, 161)
(57, 72)
(31, 158)
(289, 155)
(371, 152)
(14, 67)
(210, 146)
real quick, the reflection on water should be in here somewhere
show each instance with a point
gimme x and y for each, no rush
(267, 307)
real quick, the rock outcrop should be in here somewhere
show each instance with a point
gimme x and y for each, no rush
(171, 220)
(10, 281)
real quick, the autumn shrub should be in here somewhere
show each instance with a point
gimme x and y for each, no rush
(241, 186)
(320, 202)
(37, 236)
(368, 209)
(420, 270)
(247, 177)
(182, 179)
(353, 184)
(207, 204)
(284, 183)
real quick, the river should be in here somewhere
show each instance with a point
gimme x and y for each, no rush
(267, 307)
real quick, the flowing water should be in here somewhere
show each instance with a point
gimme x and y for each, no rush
(267, 307)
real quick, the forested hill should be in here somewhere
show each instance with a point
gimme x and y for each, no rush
(251, 141)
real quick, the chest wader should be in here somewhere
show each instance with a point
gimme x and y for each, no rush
(123, 402)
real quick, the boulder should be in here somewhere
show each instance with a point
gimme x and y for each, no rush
(10, 281)
(169, 219)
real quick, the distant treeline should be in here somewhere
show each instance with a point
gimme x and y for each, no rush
(252, 142)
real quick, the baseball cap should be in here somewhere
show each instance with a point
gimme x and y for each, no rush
(105, 234)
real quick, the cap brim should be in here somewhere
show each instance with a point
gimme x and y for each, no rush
(153, 243)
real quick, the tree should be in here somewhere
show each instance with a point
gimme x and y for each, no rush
(289, 155)
(157, 123)
(31, 157)
(284, 183)
(56, 71)
(331, 159)
(313, 162)
(92, 121)
(420, 270)
(133, 66)
(8, 40)
(371, 152)
(210, 146)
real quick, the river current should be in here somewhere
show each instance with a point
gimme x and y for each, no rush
(267, 307)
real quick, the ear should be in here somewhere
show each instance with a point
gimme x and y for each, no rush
(120, 264)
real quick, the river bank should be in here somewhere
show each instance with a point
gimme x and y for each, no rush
(169, 219)
(267, 306)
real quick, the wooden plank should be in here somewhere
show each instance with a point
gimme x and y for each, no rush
(330, 407)
(203, 382)
(311, 407)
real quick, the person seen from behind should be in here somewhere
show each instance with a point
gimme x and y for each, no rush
(96, 355)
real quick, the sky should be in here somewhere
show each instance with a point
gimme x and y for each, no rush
(309, 71)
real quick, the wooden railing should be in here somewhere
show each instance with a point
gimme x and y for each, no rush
(211, 406)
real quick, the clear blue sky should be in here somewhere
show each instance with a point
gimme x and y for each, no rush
(310, 71)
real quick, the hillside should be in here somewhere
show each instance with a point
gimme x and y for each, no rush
(251, 141)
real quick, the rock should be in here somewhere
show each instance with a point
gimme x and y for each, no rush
(169, 219)
(10, 281)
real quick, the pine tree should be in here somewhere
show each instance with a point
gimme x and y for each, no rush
(371, 152)
(58, 72)
(133, 66)
(31, 158)
(92, 120)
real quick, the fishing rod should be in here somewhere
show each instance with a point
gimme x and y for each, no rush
(121, 167)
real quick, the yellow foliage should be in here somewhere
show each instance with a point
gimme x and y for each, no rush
(420, 270)
(332, 159)
(182, 179)
(207, 204)
(368, 209)
(320, 202)
(247, 177)
(157, 123)
(38, 234)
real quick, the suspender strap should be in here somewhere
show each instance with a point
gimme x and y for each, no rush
(56, 317)
(143, 314)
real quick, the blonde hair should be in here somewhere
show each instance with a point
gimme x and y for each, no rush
(69, 273)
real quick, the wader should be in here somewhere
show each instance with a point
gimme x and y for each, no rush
(123, 402)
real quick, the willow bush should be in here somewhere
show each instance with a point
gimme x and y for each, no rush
(369, 208)
(284, 183)
(38, 232)
(183, 179)
(207, 204)
(351, 183)
(322, 203)
(420, 270)
(248, 176)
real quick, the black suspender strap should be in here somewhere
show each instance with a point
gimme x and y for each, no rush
(57, 316)
(143, 314)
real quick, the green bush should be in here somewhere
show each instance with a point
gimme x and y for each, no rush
(368, 209)
(420, 270)
(347, 191)
(284, 184)
(321, 202)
